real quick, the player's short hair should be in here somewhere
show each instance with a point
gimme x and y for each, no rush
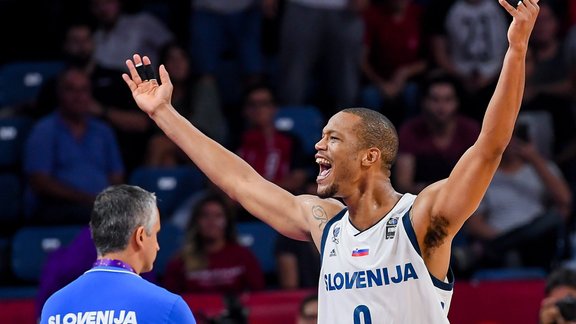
(118, 211)
(375, 130)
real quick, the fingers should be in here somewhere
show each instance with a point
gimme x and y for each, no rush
(129, 82)
(164, 77)
(149, 74)
(140, 70)
(522, 6)
(511, 10)
(132, 68)
(528, 5)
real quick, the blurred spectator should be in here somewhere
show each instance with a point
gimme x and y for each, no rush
(393, 57)
(559, 306)
(320, 35)
(570, 51)
(308, 311)
(276, 155)
(572, 12)
(119, 35)
(432, 143)
(298, 263)
(66, 264)
(470, 46)
(520, 219)
(211, 260)
(70, 156)
(196, 99)
(556, 138)
(112, 102)
(230, 27)
(550, 75)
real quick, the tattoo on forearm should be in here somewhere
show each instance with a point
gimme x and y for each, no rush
(320, 215)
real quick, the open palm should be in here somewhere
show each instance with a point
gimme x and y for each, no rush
(148, 94)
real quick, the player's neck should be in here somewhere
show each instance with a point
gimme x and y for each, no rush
(368, 207)
(124, 257)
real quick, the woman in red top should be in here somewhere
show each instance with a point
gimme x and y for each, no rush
(211, 260)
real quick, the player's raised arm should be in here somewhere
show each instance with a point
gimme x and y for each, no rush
(451, 201)
(292, 216)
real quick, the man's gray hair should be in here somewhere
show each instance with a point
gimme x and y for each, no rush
(118, 211)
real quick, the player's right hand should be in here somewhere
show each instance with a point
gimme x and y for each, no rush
(148, 94)
(524, 17)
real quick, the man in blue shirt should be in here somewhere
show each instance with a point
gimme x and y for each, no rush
(124, 224)
(70, 156)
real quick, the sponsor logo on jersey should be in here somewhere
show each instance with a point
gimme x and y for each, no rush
(335, 233)
(391, 227)
(333, 253)
(358, 252)
(370, 278)
(95, 317)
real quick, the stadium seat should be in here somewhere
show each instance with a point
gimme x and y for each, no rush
(509, 274)
(259, 237)
(20, 81)
(13, 133)
(4, 258)
(31, 245)
(305, 122)
(171, 185)
(10, 198)
(171, 240)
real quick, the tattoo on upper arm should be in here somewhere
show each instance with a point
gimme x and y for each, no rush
(320, 215)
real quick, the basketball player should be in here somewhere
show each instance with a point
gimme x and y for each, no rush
(385, 255)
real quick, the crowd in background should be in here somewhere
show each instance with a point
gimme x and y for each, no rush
(429, 65)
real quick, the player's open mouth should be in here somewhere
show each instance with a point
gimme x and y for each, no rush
(325, 168)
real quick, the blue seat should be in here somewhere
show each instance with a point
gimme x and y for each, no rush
(20, 81)
(31, 246)
(11, 198)
(4, 255)
(305, 122)
(517, 273)
(18, 292)
(13, 134)
(259, 237)
(171, 240)
(171, 185)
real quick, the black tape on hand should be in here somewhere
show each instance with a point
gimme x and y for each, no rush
(149, 72)
(141, 72)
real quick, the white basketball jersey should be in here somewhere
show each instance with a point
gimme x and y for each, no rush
(377, 275)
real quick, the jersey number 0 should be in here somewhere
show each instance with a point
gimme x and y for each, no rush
(362, 311)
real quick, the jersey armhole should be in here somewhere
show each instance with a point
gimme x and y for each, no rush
(327, 230)
(441, 284)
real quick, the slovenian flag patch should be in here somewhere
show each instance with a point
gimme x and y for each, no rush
(360, 252)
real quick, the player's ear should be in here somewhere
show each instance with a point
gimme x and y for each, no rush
(371, 156)
(139, 236)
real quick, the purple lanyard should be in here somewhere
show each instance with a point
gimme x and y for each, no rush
(113, 263)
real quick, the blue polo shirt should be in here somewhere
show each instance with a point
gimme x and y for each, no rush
(106, 294)
(83, 163)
